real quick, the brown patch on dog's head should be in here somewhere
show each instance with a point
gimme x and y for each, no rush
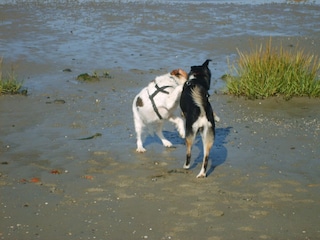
(139, 102)
(181, 74)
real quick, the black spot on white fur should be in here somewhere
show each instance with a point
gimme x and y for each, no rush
(139, 102)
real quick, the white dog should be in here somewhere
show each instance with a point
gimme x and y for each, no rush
(157, 102)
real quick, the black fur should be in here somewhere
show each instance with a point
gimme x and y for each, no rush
(202, 74)
(195, 105)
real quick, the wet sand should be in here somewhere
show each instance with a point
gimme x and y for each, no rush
(263, 180)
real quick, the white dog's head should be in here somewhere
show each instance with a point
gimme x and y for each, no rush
(180, 75)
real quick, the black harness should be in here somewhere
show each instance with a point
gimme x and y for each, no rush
(151, 97)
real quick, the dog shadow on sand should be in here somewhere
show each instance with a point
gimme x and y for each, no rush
(218, 153)
(173, 137)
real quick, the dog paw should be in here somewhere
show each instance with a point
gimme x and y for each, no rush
(216, 117)
(182, 133)
(202, 175)
(167, 143)
(185, 166)
(141, 150)
(180, 129)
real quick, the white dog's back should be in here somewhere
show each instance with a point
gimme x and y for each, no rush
(157, 102)
(142, 100)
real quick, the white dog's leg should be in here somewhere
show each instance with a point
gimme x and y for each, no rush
(159, 133)
(139, 129)
(140, 147)
(178, 122)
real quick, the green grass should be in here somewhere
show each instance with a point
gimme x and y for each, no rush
(9, 83)
(271, 71)
(96, 76)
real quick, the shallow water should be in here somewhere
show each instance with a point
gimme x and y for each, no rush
(87, 35)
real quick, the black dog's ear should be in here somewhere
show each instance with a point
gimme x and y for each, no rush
(205, 64)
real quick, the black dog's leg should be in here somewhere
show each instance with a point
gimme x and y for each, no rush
(207, 140)
(189, 142)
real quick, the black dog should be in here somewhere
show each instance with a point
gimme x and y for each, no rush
(198, 112)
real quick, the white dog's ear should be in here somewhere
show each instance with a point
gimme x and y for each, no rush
(175, 72)
(179, 72)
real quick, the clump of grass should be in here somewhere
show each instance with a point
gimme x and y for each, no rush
(9, 83)
(87, 78)
(94, 77)
(271, 71)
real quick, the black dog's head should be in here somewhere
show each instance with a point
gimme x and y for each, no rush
(201, 74)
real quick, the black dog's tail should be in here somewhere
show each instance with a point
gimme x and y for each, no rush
(205, 64)
(198, 97)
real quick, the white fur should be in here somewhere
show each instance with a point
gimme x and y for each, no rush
(145, 115)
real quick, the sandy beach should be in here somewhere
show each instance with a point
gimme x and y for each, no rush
(68, 166)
